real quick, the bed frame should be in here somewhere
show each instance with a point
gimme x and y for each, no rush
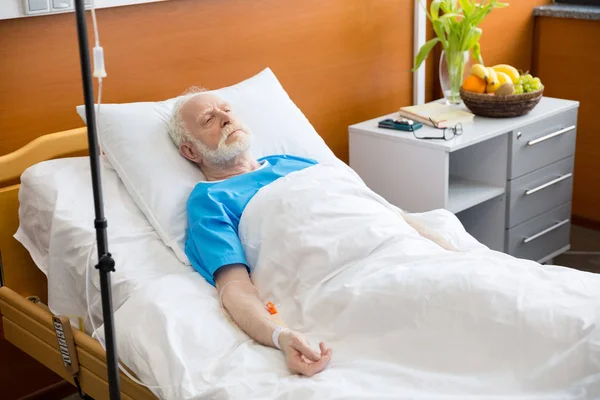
(26, 319)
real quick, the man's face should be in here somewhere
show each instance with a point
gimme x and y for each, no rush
(218, 136)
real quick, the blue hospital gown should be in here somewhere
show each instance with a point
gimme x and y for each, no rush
(214, 210)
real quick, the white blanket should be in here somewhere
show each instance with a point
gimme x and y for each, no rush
(406, 318)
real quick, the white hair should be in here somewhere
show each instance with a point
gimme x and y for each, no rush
(176, 126)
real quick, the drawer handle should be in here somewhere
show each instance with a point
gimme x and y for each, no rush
(550, 136)
(542, 233)
(547, 184)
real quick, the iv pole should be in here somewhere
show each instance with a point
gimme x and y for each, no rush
(106, 264)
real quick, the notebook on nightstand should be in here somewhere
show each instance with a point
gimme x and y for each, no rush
(442, 115)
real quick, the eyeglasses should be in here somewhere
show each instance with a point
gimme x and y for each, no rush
(447, 134)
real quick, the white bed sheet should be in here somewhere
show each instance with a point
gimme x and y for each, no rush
(57, 228)
(405, 318)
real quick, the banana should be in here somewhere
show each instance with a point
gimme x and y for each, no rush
(492, 76)
(493, 82)
(504, 78)
(508, 70)
(479, 71)
(492, 87)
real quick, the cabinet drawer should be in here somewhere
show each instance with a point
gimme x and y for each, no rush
(539, 191)
(539, 144)
(541, 236)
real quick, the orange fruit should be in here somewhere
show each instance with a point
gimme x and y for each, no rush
(474, 84)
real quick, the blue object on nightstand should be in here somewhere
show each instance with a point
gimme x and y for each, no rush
(406, 125)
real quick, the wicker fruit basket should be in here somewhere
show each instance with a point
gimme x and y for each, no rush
(513, 105)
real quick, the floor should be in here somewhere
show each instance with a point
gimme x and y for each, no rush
(585, 250)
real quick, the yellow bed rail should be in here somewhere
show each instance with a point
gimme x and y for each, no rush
(43, 148)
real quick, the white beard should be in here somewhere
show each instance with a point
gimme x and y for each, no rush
(225, 153)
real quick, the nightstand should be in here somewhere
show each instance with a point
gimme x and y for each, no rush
(509, 181)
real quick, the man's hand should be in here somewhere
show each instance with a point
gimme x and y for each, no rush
(241, 300)
(300, 358)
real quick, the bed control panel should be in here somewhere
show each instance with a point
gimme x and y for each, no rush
(66, 343)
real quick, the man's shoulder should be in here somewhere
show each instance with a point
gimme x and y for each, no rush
(202, 187)
(200, 191)
(203, 203)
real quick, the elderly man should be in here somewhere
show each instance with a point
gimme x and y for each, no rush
(207, 133)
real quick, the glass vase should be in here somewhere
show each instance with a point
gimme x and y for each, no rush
(454, 66)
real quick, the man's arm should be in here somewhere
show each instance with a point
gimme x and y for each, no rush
(241, 300)
(427, 233)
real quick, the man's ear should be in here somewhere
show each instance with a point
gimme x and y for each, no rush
(189, 151)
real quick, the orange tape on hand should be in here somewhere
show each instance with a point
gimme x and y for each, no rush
(271, 308)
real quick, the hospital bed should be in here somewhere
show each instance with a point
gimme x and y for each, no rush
(455, 324)
(27, 322)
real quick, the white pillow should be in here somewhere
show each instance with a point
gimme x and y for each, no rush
(56, 216)
(134, 138)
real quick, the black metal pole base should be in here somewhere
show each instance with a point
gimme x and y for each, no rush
(105, 262)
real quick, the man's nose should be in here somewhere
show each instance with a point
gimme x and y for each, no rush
(225, 120)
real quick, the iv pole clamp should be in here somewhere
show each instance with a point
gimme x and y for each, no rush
(105, 262)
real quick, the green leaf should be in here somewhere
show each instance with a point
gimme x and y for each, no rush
(440, 31)
(447, 6)
(455, 23)
(480, 14)
(450, 15)
(477, 53)
(471, 38)
(468, 7)
(424, 52)
(435, 9)
(446, 22)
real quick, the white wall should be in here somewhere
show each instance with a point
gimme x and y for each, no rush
(420, 39)
(14, 8)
